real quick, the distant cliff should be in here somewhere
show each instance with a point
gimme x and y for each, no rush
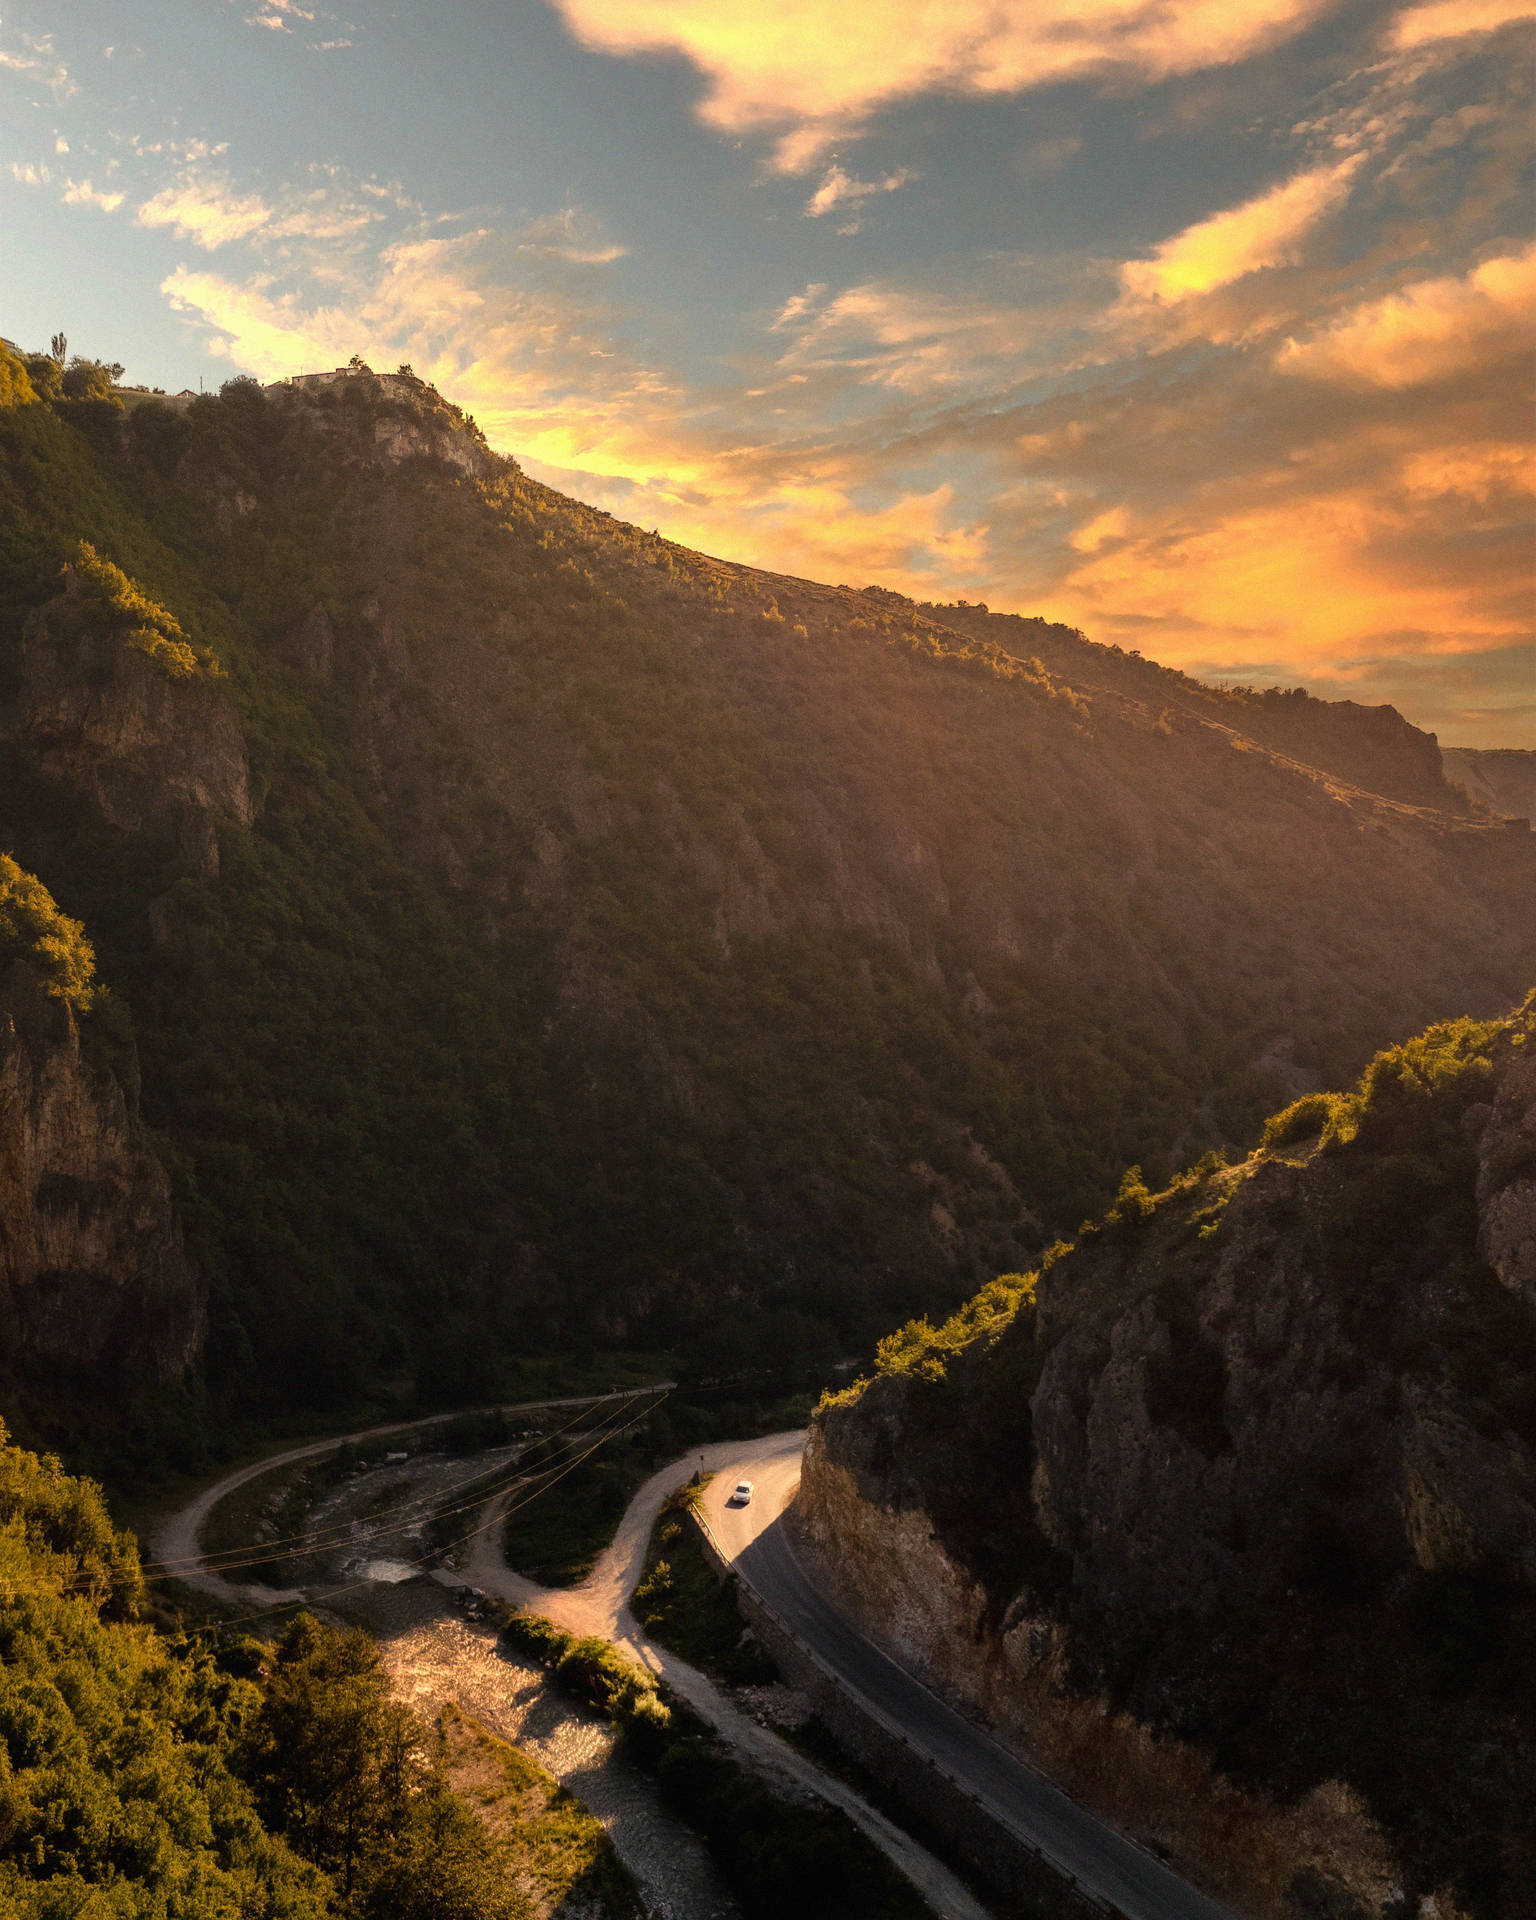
(1370, 747)
(1502, 778)
(1230, 1516)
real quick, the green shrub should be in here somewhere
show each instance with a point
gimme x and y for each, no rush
(16, 389)
(923, 1350)
(33, 929)
(88, 380)
(46, 376)
(682, 1603)
(540, 1639)
(1435, 1076)
(151, 629)
(1134, 1203)
(443, 1866)
(1312, 1114)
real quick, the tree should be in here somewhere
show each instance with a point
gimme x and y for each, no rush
(444, 1866)
(33, 929)
(58, 346)
(16, 389)
(87, 380)
(336, 1760)
(45, 375)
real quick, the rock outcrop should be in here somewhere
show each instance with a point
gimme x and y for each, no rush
(1256, 1465)
(158, 754)
(97, 1298)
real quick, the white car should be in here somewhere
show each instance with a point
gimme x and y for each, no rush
(742, 1496)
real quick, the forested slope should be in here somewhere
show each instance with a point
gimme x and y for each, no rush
(144, 1778)
(533, 932)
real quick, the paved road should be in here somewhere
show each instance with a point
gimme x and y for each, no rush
(1098, 1857)
(600, 1606)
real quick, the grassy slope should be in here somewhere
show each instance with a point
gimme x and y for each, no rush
(559, 1853)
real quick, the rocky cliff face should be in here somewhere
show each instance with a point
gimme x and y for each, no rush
(97, 1299)
(1255, 1471)
(158, 755)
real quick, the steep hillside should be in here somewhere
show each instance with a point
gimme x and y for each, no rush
(536, 932)
(98, 1306)
(1244, 1484)
(1371, 747)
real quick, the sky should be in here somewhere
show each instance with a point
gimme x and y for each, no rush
(1202, 325)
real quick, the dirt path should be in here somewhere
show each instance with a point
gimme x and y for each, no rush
(175, 1546)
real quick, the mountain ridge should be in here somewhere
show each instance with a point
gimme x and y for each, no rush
(616, 943)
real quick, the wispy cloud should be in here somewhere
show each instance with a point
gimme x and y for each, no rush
(35, 56)
(209, 212)
(843, 194)
(80, 193)
(208, 209)
(572, 235)
(278, 16)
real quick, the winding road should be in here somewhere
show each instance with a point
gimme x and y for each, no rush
(1097, 1856)
(754, 1539)
(600, 1606)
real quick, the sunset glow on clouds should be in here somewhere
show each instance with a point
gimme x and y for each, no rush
(1266, 232)
(1429, 330)
(1200, 326)
(811, 71)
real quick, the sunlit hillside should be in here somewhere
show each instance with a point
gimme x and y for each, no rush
(521, 931)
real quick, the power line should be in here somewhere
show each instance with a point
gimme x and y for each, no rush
(497, 1519)
(288, 1546)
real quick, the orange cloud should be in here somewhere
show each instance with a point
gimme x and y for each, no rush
(809, 69)
(1265, 232)
(1449, 19)
(1315, 578)
(1431, 330)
